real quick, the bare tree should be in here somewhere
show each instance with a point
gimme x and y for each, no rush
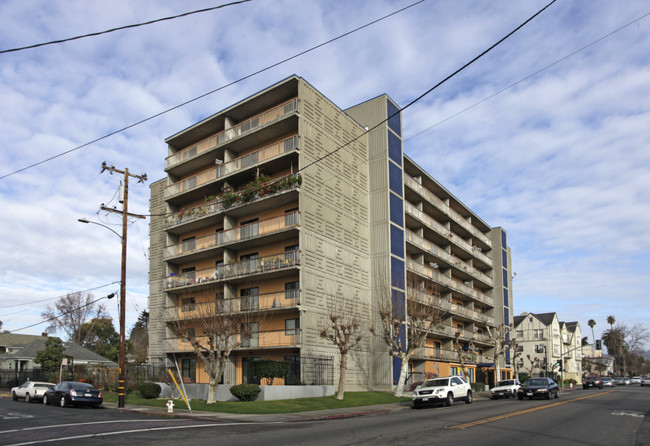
(516, 351)
(499, 340)
(214, 329)
(345, 330)
(535, 363)
(72, 311)
(465, 352)
(406, 325)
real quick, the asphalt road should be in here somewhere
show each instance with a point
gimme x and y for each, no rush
(619, 416)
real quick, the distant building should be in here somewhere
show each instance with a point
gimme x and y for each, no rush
(548, 346)
(351, 212)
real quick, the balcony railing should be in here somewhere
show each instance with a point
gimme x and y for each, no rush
(455, 216)
(237, 269)
(261, 339)
(224, 136)
(440, 229)
(266, 301)
(235, 165)
(449, 283)
(239, 233)
(449, 258)
(218, 205)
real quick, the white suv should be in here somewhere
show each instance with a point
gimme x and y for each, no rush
(507, 389)
(442, 391)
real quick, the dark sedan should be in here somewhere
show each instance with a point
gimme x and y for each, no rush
(592, 381)
(73, 393)
(542, 387)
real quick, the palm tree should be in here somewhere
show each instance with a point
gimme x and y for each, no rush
(592, 323)
(611, 320)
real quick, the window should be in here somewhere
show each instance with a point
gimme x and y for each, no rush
(188, 184)
(189, 274)
(394, 117)
(189, 244)
(396, 241)
(396, 210)
(397, 272)
(190, 333)
(188, 370)
(291, 326)
(249, 228)
(520, 334)
(539, 348)
(188, 304)
(189, 153)
(291, 217)
(395, 179)
(254, 339)
(291, 290)
(292, 254)
(249, 298)
(538, 333)
(219, 238)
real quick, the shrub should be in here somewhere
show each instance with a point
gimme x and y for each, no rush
(149, 390)
(414, 385)
(523, 377)
(245, 392)
(269, 369)
(478, 387)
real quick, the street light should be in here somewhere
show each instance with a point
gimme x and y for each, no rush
(121, 390)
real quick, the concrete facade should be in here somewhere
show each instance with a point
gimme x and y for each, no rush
(352, 212)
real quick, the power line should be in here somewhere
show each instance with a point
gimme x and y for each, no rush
(59, 297)
(142, 121)
(110, 296)
(122, 27)
(529, 76)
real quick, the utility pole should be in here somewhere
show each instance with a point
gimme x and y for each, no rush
(121, 387)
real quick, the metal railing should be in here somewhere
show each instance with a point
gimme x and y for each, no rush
(273, 338)
(243, 232)
(221, 170)
(235, 269)
(224, 136)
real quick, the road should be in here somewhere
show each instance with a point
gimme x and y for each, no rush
(619, 416)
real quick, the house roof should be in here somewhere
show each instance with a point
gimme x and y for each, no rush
(77, 352)
(571, 326)
(544, 318)
(15, 340)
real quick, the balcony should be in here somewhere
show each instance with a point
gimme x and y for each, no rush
(445, 209)
(445, 281)
(225, 136)
(454, 309)
(255, 230)
(447, 355)
(243, 269)
(450, 259)
(445, 233)
(222, 170)
(269, 301)
(261, 339)
(231, 202)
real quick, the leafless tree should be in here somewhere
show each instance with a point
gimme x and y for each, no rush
(345, 329)
(515, 353)
(406, 325)
(214, 329)
(465, 352)
(72, 311)
(499, 340)
(535, 363)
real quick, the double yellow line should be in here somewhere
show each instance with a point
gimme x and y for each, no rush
(522, 412)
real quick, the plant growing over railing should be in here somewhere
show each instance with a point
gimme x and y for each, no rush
(260, 187)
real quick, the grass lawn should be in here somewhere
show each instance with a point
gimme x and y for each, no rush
(352, 399)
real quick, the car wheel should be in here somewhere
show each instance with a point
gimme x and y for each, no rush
(62, 402)
(548, 395)
(469, 398)
(520, 397)
(45, 400)
(557, 394)
(450, 399)
(13, 396)
(28, 399)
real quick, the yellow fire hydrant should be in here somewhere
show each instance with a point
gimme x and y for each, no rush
(170, 406)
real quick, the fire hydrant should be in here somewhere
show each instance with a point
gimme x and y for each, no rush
(170, 406)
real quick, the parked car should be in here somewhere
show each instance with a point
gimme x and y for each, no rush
(74, 393)
(442, 391)
(635, 380)
(645, 381)
(30, 391)
(542, 387)
(621, 380)
(505, 389)
(608, 382)
(592, 381)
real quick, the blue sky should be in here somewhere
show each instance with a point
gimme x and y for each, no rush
(559, 159)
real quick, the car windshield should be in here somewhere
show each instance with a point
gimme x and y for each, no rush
(436, 383)
(505, 383)
(536, 382)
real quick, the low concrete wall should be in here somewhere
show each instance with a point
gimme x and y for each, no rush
(269, 393)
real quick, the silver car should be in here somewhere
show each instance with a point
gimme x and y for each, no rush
(608, 382)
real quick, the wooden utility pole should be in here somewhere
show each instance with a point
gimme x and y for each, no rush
(121, 387)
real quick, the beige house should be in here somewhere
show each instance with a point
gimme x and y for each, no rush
(348, 213)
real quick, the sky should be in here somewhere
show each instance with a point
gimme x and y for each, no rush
(547, 135)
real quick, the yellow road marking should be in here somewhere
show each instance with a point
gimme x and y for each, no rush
(522, 412)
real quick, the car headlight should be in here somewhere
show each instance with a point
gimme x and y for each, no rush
(542, 390)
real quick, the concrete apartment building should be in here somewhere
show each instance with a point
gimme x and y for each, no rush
(557, 344)
(350, 213)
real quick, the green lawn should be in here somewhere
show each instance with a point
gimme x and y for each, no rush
(352, 399)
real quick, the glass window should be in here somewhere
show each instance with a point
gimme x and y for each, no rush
(503, 239)
(397, 272)
(504, 258)
(291, 290)
(394, 148)
(291, 326)
(399, 304)
(505, 278)
(189, 244)
(250, 298)
(394, 117)
(396, 210)
(396, 241)
(188, 370)
(395, 178)
(505, 298)
(188, 304)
